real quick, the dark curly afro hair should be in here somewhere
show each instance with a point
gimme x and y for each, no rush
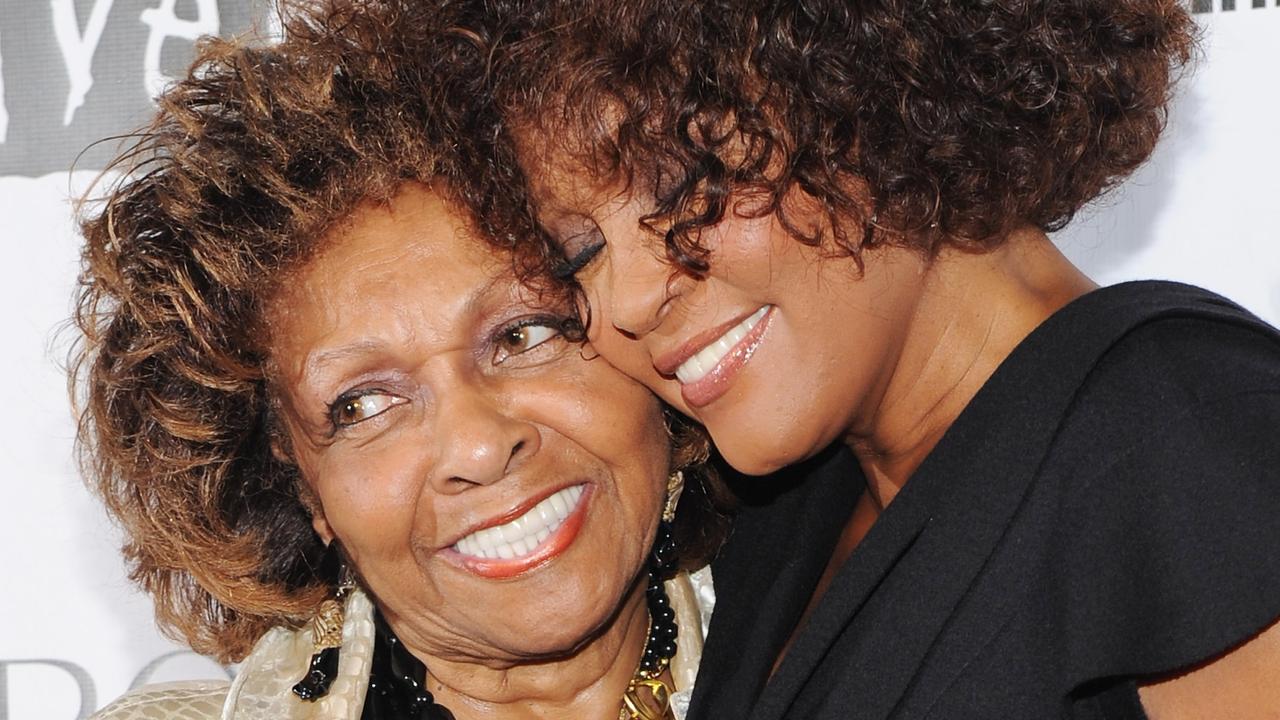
(911, 122)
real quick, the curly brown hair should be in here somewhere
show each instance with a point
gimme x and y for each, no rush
(924, 122)
(251, 159)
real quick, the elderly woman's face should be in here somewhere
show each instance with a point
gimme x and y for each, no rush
(496, 489)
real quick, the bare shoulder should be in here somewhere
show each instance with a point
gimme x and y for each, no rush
(1243, 684)
(188, 700)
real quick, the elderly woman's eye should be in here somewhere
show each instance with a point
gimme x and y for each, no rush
(524, 336)
(358, 406)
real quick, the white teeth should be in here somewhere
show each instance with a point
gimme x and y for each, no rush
(703, 361)
(692, 367)
(558, 505)
(524, 534)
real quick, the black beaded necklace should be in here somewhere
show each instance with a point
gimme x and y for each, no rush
(661, 644)
(397, 689)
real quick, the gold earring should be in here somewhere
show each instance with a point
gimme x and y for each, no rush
(326, 636)
(675, 485)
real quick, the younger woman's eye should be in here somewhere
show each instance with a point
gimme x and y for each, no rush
(579, 251)
(525, 335)
(360, 405)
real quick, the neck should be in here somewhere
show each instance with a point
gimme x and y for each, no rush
(974, 310)
(588, 682)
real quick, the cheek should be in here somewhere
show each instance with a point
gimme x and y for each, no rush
(371, 500)
(750, 248)
(640, 451)
(608, 415)
(620, 404)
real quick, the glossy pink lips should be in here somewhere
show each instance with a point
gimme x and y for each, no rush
(717, 381)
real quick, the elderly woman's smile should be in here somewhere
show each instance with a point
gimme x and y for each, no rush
(351, 428)
(535, 532)
(494, 484)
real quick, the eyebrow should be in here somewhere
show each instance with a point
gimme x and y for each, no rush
(317, 359)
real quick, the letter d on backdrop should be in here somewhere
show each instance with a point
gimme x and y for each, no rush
(33, 675)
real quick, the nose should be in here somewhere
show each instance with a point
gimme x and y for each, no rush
(480, 439)
(641, 285)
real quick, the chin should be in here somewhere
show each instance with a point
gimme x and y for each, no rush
(753, 452)
(560, 624)
(756, 456)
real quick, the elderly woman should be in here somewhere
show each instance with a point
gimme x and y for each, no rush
(823, 223)
(350, 449)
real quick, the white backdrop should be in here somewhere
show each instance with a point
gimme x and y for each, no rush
(74, 634)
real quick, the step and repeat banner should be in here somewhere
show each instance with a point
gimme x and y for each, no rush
(74, 634)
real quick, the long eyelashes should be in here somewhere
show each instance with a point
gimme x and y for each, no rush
(570, 267)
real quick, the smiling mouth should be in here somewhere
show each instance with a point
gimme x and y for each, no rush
(700, 365)
(524, 535)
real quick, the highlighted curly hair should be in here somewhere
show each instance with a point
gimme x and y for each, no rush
(251, 159)
(922, 122)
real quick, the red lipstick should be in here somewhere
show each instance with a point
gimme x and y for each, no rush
(550, 548)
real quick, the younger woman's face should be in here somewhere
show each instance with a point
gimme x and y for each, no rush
(496, 490)
(779, 349)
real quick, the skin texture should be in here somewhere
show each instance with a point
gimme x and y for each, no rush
(1240, 685)
(937, 127)
(638, 318)
(885, 359)
(463, 420)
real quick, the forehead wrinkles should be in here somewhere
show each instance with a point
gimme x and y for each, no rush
(331, 292)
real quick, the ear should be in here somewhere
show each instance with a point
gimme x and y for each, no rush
(311, 503)
(321, 526)
(279, 451)
(277, 431)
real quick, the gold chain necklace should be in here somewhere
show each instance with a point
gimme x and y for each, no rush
(648, 696)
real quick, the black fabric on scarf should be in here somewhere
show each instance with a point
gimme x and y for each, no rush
(1106, 509)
